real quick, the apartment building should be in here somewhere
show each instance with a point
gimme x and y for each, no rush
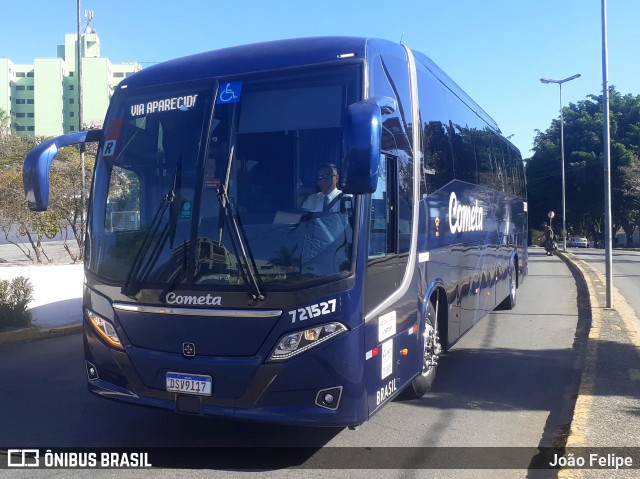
(42, 98)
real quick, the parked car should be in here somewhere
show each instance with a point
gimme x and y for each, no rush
(577, 242)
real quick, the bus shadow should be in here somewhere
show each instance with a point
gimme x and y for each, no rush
(57, 314)
(501, 379)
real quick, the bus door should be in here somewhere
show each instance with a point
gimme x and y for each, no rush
(386, 332)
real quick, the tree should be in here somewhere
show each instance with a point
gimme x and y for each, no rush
(65, 203)
(16, 220)
(5, 124)
(631, 178)
(584, 167)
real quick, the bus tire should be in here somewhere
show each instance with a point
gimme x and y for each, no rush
(510, 301)
(422, 383)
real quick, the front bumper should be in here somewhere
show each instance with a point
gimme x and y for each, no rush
(291, 392)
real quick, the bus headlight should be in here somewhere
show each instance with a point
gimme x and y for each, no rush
(104, 328)
(293, 344)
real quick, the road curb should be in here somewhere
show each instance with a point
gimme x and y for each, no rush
(33, 333)
(584, 399)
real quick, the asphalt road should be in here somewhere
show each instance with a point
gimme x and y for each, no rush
(511, 381)
(625, 271)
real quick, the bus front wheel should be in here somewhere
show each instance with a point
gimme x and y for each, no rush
(432, 350)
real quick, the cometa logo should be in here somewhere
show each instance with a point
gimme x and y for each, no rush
(208, 300)
(464, 217)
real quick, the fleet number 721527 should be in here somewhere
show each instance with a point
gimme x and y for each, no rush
(313, 311)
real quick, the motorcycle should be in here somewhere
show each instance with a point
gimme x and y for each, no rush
(550, 246)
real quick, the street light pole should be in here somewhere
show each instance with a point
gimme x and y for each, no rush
(564, 210)
(79, 53)
(606, 139)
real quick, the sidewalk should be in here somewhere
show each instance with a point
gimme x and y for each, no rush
(57, 290)
(607, 410)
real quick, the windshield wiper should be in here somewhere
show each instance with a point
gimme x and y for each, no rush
(246, 262)
(178, 275)
(173, 211)
(131, 285)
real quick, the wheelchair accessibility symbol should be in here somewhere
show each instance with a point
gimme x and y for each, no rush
(229, 92)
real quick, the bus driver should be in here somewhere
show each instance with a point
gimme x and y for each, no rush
(328, 185)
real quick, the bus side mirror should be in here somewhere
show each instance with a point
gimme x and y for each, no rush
(37, 163)
(363, 138)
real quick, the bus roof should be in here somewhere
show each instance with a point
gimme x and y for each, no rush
(255, 57)
(281, 54)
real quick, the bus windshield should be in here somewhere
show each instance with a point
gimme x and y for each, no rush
(203, 184)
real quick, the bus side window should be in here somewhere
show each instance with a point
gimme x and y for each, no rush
(378, 234)
(382, 268)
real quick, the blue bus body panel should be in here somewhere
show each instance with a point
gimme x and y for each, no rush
(472, 264)
(245, 59)
(225, 336)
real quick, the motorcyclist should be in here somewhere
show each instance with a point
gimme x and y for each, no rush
(548, 238)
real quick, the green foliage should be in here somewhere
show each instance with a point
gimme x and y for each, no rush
(65, 198)
(584, 167)
(13, 149)
(15, 296)
(5, 124)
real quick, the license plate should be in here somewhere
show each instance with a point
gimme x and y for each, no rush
(189, 383)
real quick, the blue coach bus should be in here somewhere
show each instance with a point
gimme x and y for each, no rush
(209, 290)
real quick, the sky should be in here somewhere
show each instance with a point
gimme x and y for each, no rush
(496, 50)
